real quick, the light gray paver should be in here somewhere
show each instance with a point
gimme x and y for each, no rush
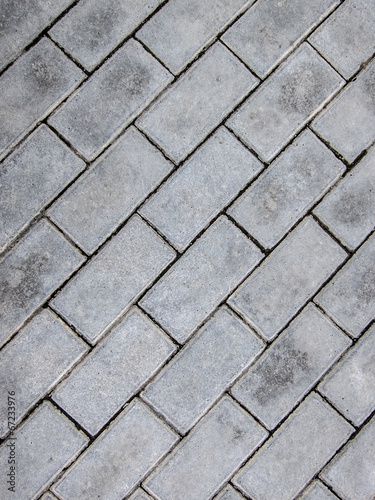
(296, 452)
(30, 272)
(111, 99)
(49, 496)
(119, 458)
(45, 444)
(95, 205)
(287, 189)
(203, 462)
(271, 296)
(271, 29)
(317, 491)
(290, 367)
(31, 88)
(140, 495)
(279, 109)
(106, 287)
(222, 350)
(114, 371)
(229, 493)
(207, 182)
(201, 279)
(349, 298)
(198, 102)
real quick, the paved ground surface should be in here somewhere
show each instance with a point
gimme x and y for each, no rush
(187, 271)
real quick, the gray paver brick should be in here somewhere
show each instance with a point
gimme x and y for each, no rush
(31, 177)
(201, 279)
(291, 366)
(349, 298)
(348, 123)
(45, 444)
(223, 349)
(287, 189)
(279, 109)
(131, 355)
(271, 29)
(119, 458)
(30, 272)
(106, 287)
(351, 385)
(111, 99)
(49, 496)
(318, 491)
(105, 196)
(192, 108)
(140, 495)
(31, 88)
(296, 452)
(92, 29)
(271, 296)
(347, 38)
(229, 493)
(207, 182)
(349, 210)
(203, 462)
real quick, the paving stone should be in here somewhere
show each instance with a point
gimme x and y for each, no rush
(279, 109)
(223, 349)
(197, 103)
(229, 493)
(120, 458)
(348, 123)
(111, 99)
(140, 495)
(282, 284)
(197, 192)
(349, 298)
(180, 30)
(352, 472)
(347, 38)
(351, 385)
(271, 29)
(296, 452)
(92, 29)
(96, 204)
(317, 491)
(111, 281)
(287, 189)
(30, 272)
(203, 462)
(131, 355)
(30, 179)
(31, 88)
(45, 444)
(48, 496)
(349, 210)
(201, 279)
(290, 367)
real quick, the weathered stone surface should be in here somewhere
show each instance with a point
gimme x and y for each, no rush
(229, 493)
(318, 491)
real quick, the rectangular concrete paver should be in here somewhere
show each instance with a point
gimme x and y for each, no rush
(49, 496)
(140, 495)
(318, 491)
(229, 493)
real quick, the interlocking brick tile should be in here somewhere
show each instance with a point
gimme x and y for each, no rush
(119, 458)
(285, 102)
(133, 352)
(203, 462)
(349, 298)
(349, 210)
(223, 349)
(348, 124)
(192, 108)
(49, 496)
(140, 495)
(207, 182)
(30, 272)
(291, 366)
(317, 491)
(287, 189)
(45, 444)
(271, 29)
(201, 279)
(104, 197)
(351, 385)
(31, 177)
(106, 287)
(229, 493)
(347, 38)
(271, 296)
(31, 88)
(296, 452)
(111, 99)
